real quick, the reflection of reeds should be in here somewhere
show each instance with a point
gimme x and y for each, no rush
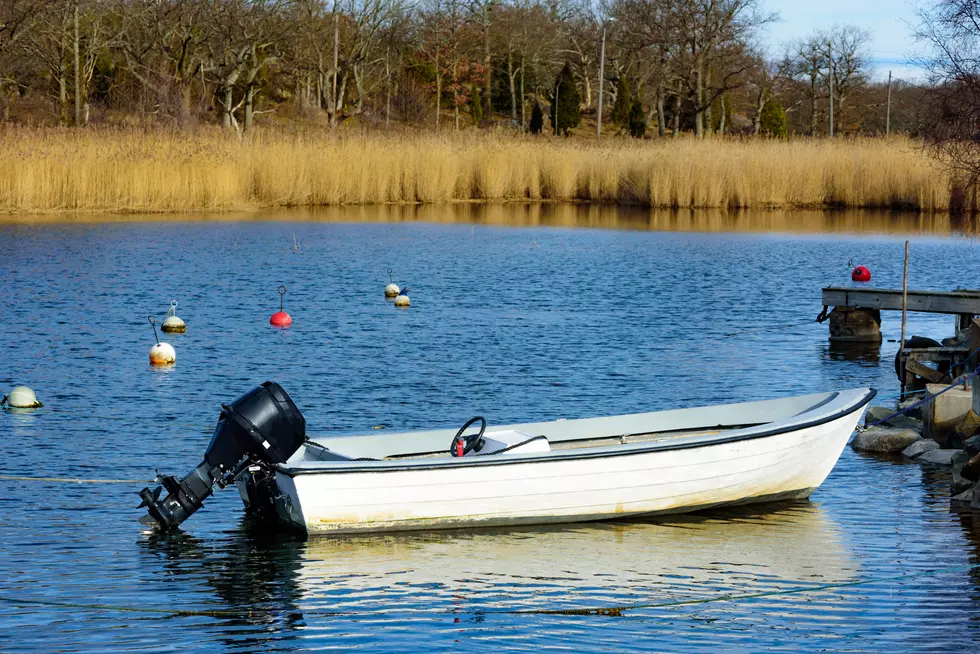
(158, 171)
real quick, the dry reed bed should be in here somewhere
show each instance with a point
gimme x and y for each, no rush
(157, 171)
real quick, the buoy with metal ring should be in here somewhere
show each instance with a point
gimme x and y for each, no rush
(391, 290)
(861, 274)
(21, 397)
(401, 300)
(281, 318)
(172, 324)
(161, 354)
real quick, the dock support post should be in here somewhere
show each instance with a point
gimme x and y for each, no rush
(905, 306)
(972, 362)
(850, 325)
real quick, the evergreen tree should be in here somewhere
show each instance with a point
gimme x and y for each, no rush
(565, 114)
(622, 106)
(637, 120)
(537, 119)
(772, 122)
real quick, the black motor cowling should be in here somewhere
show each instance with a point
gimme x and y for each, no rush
(263, 426)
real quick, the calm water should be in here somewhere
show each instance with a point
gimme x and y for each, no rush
(517, 314)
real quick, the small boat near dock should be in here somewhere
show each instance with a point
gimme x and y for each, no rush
(559, 471)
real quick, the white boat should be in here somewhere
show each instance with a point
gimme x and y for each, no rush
(562, 471)
(533, 473)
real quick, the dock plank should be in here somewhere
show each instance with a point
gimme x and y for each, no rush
(887, 299)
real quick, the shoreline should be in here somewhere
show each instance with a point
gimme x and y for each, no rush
(552, 215)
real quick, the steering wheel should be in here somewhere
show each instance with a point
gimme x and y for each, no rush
(463, 445)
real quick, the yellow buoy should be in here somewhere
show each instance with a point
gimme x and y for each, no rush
(172, 324)
(21, 397)
(402, 300)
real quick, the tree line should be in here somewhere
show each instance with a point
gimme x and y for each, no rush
(670, 66)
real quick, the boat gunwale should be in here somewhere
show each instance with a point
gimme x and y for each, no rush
(412, 465)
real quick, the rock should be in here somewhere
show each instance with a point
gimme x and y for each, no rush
(900, 421)
(876, 413)
(914, 413)
(969, 428)
(919, 448)
(975, 500)
(945, 413)
(903, 421)
(972, 445)
(962, 339)
(938, 457)
(971, 468)
(958, 483)
(965, 497)
(884, 439)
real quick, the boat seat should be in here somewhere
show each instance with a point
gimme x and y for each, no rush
(511, 441)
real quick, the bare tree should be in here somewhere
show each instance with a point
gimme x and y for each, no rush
(164, 44)
(951, 30)
(709, 27)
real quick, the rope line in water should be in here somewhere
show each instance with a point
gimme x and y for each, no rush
(734, 597)
(768, 329)
(613, 611)
(216, 613)
(76, 480)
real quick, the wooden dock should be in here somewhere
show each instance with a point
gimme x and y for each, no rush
(887, 299)
(857, 313)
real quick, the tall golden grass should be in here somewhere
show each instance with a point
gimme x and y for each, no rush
(44, 171)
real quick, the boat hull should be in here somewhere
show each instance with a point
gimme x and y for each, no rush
(781, 466)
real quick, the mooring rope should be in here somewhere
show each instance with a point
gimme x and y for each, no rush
(734, 597)
(613, 611)
(926, 400)
(216, 613)
(77, 480)
(769, 329)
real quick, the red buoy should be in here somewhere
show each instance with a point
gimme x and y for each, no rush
(861, 274)
(281, 318)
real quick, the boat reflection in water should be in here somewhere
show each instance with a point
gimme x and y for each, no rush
(597, 564)
(280, 579)
(277, 592)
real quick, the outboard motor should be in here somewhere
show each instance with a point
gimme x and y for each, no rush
(262, 427)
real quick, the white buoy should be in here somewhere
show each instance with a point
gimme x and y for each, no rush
(172, 324)
(391, 290)
(402, 300)
(161, 354)
(21, 397)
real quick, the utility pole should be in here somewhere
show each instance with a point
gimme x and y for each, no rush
(336, 51)
(888, 107)
(830, 56)
(78, 73)
(602, 74)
